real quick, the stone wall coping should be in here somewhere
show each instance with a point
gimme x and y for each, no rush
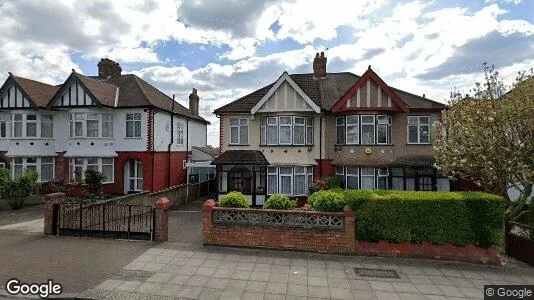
(308, 212)
(163, 203)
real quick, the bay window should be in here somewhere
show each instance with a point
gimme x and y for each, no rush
(286, 130)
(418, 130)
(133, 125)
(292, 181)
(359, 177)
(363, 130)
(90, 125)
(32, 126)
(104, 165)
(47, 126)
(43, 166)
(3, 126)
(239, 131)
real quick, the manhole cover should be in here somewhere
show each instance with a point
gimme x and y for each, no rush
(133, 275)
(377, 273)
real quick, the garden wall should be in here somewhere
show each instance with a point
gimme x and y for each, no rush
(318, 231)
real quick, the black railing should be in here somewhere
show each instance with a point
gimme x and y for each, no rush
(519, 241)
(105, 220)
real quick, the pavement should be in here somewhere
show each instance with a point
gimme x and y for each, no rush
(178, 271)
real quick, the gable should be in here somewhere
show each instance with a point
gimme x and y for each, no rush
(14, 97)
(280, 100)
(370, 92)
(74, 94)
(285, 98)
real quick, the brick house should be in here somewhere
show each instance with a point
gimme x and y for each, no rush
(280, 137)
(115, 123)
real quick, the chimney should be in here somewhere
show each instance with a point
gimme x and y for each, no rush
(108, 68)
(193, 102)
(319, 66)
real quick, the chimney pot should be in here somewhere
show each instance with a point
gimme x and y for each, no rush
(322, 54)
(319, 66)
(424, 96)
(193, 102)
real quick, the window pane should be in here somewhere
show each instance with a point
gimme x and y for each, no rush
(413, 120)
(368, 119)
(410, 184)
(300, 170)
(423, 120)
(300, 184)
(263, 132)
(47, 160)
(234, 135)
(368, 182)
(340, 121)
(352, 170)
(78, 129)
(129, 116)
(243, 122)
(352, 119)
(368, 134)
(137, 128)
(299, 135)
(47, 129)
(17, 130)
(272, 184)
(234, 122)
(17, 117)
(31, 117)
(368, 171)
(107, 160)
(47, 172)
(397, 183)
(412, 134)
(31, 160)
(107, 171)
(309, 135)
(340, 170)
(285, 120)
(272, 135)
(382, 183)
(285, 185)
(17, 171)
(243, 134)
(352, 182)
(285, 134)
(92, 128)
(382, 134)
(340, 135)
(31, 129)
(129, 129)
(286, 170)
(3, 129)
(382, 119)
(352, 134)
(423, 131)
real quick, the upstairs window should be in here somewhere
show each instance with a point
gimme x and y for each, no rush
(239, 131)
(180, 133)
(32, 126)
(418, 130)
(286, 130)
(363, 130)
(3, 126)
(383, 130)
(91, 125)
(340, 130)
(133, 125)
(353, 132)
(368, 130)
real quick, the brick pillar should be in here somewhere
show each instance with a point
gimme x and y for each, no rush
(161, 227)
(350, 228)
(49, 219)
(207, 223)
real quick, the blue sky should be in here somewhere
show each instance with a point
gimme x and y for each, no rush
(228, 48)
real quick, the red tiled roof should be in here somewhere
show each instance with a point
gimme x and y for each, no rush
(40, 93)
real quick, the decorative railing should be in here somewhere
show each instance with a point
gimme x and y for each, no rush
(278, 218)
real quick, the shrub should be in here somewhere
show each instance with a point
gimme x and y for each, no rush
(19, 190)
(5, 182)
(234, 199)
(280, 201)
(332, 182)
(327, 200)
(93, 181)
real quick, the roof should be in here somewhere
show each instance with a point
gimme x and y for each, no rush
(105, 93)
(325, 92)
(414, 160)
(241, 157)
(213, 152)
(40, 93)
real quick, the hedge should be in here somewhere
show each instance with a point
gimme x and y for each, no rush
(459, 218)
(280, 202)
(234, 199)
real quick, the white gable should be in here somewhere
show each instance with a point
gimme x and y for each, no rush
(285, 98)
(13, 98)
(74, 95)
(285, 95)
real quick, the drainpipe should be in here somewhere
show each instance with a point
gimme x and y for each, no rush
(187, 156)
(321, 145)
(170, 144)
(153, 112)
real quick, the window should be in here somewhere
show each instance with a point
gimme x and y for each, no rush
(77, 125)
(180, 133)
(104, 165)
(418, 130)
(133, 125)
(340, 130)
(299, 128)
(352, 130)
(239, 131)
(382, 178)
(47, 126)
(368, 178)
(107, 125)
(31, 125)
(292, 181)
(3, 126)
(91, 125)
(368, 130)
(383, 130)
(340, 174)
(43, 166)
(285, 130)
(352, 178)
(17, 125)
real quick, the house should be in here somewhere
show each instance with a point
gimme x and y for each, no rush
(199, 167)
(115, 123)
(280, 137)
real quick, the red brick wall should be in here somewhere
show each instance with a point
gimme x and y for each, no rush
(325, 165)
(338, 241)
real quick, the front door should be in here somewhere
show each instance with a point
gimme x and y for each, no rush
(134, 176)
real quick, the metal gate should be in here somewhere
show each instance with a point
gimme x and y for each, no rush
(519, 241)
(108, 220)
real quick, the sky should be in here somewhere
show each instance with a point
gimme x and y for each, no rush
(229, 48)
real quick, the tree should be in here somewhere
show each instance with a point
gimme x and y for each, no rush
(489, 137)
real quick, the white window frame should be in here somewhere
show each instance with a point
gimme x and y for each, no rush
(280, 175)
(342, 127)
(362, 176)
(24, 122)
(357, 126)
(270, 174)
(106, 118)
(302, 174)
(387, 125)
(309, 134)
(418, 125)
(38, 166)
(3, 124)
(263, 131)
(131, 118)
(275, 171)
(83, 118)
(275, 125)
(180, 133)
(287, 125)
(303, 125)
(43, 122)
(342, 175)
(238, 126)
(379, 174)
(72, 164)
(371, 123)
(347, 175)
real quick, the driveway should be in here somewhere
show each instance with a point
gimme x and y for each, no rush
(185, 223)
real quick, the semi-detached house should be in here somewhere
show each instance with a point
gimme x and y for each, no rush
(281, 137)
(118, 124)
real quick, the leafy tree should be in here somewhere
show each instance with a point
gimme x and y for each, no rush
(489, 137)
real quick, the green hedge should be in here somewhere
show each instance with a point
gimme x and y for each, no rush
(234, 199)
(459, 218)
(280, 202)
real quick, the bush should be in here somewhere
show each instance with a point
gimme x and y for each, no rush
(332, 182)
(280, 201)
(93, 181)
(19, 190)
(234, 199)
(5, 182)
(458, 218)
(327, 200)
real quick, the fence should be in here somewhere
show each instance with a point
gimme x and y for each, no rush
(519, 241)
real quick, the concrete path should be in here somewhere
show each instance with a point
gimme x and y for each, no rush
(16, 216)
(185, 224)
(175, 271)
(33, 226)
